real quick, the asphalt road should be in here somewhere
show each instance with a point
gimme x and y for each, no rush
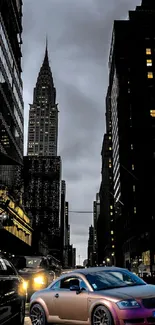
(27, 319)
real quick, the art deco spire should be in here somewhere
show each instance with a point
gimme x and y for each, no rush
(45, 79)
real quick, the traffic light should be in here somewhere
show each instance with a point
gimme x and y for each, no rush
(7, 221)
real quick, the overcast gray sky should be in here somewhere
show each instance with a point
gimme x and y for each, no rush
(79, 37)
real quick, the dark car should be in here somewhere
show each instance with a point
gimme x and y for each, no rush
(12, 294)
(36, 272)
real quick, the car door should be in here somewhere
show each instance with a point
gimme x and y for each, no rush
(50, 299)
(5, 310)
(69, 304)
(12, 289)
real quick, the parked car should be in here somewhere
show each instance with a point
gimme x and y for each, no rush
(101, 295)
(12, 294)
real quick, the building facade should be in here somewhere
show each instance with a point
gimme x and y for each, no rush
(105, 222)
(62, 221)
(91, 248)
(42, 177)
(132, 99)
(96, 214)
(11, 88)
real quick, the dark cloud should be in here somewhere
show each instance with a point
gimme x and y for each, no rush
(79, 36)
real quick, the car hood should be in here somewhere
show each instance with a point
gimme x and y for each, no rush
(136, 292)
(28, 272)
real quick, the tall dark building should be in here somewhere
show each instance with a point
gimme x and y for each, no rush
(62, 220)
(105, 222)
(132, 102)
(42, 177)
(96, 213)
(11, 101)
(43, 114)
(91, 246)
(42, 166)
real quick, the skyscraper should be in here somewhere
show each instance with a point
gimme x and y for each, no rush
(132, 102)
(42, 166)
(43, 114)
(105, 222)
(11, 101)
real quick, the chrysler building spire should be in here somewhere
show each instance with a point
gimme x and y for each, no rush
(43, 115)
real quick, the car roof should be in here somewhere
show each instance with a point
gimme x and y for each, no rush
(96, 269)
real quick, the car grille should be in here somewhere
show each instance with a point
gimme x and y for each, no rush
(149, 303)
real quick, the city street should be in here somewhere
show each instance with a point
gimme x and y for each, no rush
(27, 319)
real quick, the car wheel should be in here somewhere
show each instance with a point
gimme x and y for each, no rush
(21, 316)
(37, 315)
(101, 315)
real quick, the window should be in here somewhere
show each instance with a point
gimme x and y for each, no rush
(135, 210)
(133, 167)
(134, 188)
(131, 146)
(10, 268)
(150, 75)
(149, 63)
(112, 232)
(148, 51)
(83, 285)
(56, 286)
(66, 283)
(152, 113)
(111, 207)
(110, 148)
(113, 246)
(110, 165)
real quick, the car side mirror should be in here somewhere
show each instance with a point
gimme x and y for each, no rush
(74, 288)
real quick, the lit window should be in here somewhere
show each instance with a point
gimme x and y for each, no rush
(110, 148)
(134, 188)
(112, 232)
(112, 239)
(109, 137)
(111, 207)
(131, 146)
(113, 254)
(150, 75)
(111, 213)
(148, 51)
(135, 210)
(113, 246)
(152, 113)
(133, 167)
(109, 159)
(112, 220)
(149, 63)
(110, 166)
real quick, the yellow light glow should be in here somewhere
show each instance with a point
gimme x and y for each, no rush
(39, 280)
(149, 63)
(25, 285)
(150, 75)
(152, 113)
(148, 51)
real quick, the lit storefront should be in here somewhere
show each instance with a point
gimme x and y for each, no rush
(19, 232)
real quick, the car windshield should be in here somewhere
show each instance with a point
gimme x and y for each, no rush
(33, 262)
(104, 280)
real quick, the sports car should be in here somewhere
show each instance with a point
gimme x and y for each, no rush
(95, 296)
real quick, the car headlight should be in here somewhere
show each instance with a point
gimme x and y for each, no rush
(128, 304)
(39, 280)
(25, 285)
